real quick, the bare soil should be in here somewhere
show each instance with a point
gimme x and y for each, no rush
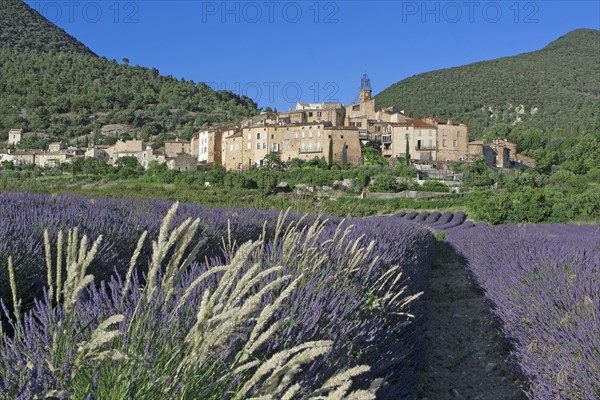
(467, 357)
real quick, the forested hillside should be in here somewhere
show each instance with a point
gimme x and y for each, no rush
(546, 100)
(51, 83)
(25, 29)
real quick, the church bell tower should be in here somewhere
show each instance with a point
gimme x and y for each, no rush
(365, 89)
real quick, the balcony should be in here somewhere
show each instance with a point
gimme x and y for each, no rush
(424, 148)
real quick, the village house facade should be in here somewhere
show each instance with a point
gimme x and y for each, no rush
(452, 139)
(419, 137)
(247, 147)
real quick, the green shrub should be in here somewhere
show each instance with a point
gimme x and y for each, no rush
(384, 183)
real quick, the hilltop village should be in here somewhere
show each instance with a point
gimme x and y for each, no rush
(334, 132)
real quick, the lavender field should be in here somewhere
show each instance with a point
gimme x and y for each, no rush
(543, 283)
(110, 299)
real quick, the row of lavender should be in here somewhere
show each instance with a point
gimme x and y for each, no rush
(544, 285)
(446, 221)
(346, 308)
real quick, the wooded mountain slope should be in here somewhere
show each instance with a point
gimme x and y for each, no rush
(50, 82)
(555, 87)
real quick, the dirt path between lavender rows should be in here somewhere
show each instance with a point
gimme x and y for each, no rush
(466, 356)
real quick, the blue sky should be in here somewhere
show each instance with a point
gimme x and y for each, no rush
(278, 52)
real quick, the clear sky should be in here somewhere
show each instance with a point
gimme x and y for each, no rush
(278, 52)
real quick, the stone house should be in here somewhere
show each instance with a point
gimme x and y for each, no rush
(57, 146)
(6, 155)
(232, 153)
(206, 145)
(500, 154)
(507, 155)
(183, 162)
(15, 136)
(420, 136)
(129, 148)
(97, 152)
(322, 112)
(150, 154)
(173, 148)
(51, 159)
(24, 157)
(452, 139)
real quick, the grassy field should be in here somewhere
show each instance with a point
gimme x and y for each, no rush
(345, 205)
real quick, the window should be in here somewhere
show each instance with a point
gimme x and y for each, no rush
(430, 132)
(419, 134)
(318, 113)
(454, 143)
(342, 136)
(257, 146)
(237, 146)
(359, 124)
(205, 149)
(457, 133)
(444, 142)
(272, 136)
(287, 135)
(430, 144)
(296, 135)
(231, 147)
(356, 107)
(318, 133)
(302, 146)
(318, 146)
(407, 136)
(310, 134)
(310, 146)
(286, 146)
(275, 147)
(249, 146)
(264, 145)
(258, 136)
(310, 114)
(302, 134)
